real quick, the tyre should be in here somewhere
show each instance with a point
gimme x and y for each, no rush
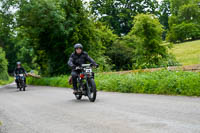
(24, 88)
(78, 96)
(92, 92)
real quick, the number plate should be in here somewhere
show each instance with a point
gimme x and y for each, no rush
(21, 75)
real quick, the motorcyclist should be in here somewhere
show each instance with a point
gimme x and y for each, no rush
(76, 59)
(19, 70)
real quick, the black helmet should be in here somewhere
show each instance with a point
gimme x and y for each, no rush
(78, 45)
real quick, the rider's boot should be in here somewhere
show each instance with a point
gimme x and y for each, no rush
(25, 82)
(75, 88)
(17, 85)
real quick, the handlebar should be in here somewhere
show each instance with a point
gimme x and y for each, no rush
(85, 66)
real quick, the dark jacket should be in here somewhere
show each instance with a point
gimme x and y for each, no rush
(19, 71)
(78, 60)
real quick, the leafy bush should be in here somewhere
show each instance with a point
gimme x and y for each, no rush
(184, 31)
(184, 22)
(61, 81)
(121, 55)
(4, 82)
(3, 66)
(159, 82)
(149, 51)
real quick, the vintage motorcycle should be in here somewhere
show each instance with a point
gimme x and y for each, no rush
(85, 82)
(21, 80)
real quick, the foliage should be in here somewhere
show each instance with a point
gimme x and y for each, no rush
(118, 14)
(7, 26)
(159, 82)
(106, 38)
(53, 27)
(184, 31)
(147, 31)
(184, 22)
(3, 66)
(122, 53)
(164, 10)
(4, 82)
(61, 81)
(142, 47)
(41, 33)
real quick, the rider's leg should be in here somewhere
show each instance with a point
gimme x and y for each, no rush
(17, 82)
(74, 80)
(25, 81)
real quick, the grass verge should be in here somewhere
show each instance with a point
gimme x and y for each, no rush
(158, 82)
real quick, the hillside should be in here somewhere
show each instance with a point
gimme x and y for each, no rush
(187, 53)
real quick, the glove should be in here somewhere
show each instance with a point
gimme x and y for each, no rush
(96, 65)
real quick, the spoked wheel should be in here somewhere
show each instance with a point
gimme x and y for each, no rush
(24, 88)
(92, 92)
(79, 95)
(20, 86)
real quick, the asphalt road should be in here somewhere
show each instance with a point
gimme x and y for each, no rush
(55, 110)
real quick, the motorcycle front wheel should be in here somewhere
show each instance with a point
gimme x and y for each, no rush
(23, 86)
(92, 92)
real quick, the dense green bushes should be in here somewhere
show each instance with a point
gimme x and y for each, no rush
(118, 35)
(184, 31)
(4, 82)
(3, 66)
(160, 82)
(184, 21)
(141, 47)
(61, 81)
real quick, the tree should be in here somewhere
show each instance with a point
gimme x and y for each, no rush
(184, 22)
(176, 4)
(118, 14)
(53, 27)
(184, 31)
(121, 54)
(7, 33)
(189, 13)
(3, 66)
(164, 10)
(148, 33)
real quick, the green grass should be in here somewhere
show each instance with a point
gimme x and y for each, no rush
(187, 53)
(61, 81)
(159, 82)
(4, 82)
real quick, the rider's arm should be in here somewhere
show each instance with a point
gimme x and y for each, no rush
(91, 60)
(24, 71)
(70, 61)
(14, 72)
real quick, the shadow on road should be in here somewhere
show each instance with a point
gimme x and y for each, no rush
(83, 100)
(10, 87)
